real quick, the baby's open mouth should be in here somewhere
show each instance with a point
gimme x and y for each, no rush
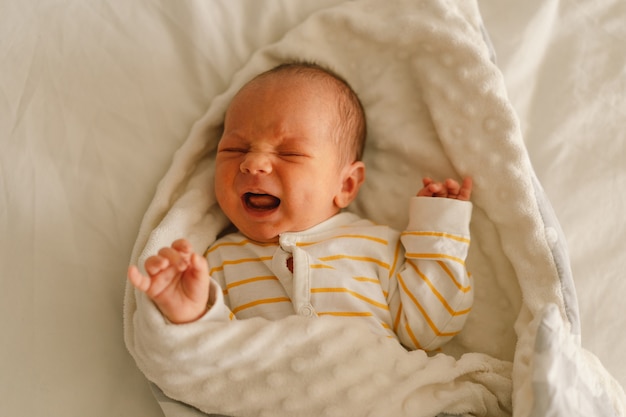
(261, 202)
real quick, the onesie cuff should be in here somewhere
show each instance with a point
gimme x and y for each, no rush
(435, 214)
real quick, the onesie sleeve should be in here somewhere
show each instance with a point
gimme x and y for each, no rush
(432, 292)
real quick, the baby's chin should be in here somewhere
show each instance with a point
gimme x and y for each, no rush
(270, 231)
(256, 234)
(263, 239)
(269, 235)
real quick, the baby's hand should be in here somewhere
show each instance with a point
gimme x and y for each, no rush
(448, 189)
(177, 282)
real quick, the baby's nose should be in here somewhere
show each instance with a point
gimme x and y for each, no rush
(256, 163)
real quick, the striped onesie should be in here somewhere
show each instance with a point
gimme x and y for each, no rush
(412, 286)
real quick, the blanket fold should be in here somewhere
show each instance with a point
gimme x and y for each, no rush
(436, 105)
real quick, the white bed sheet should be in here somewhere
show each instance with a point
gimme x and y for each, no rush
(96, 96)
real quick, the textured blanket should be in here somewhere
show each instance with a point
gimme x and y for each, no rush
(436, 106)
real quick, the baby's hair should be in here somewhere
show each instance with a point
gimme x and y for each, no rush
(352, 126)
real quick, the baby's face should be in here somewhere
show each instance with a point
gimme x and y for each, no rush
(277, 167)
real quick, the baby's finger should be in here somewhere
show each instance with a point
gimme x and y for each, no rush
(196, 276)
(466, 189)
(183, 246)
(174, 257)
(155, 264)
(139, 281)
(453, 188)
(200, 266)
(161, 281)
(438, 190)
(424, 192)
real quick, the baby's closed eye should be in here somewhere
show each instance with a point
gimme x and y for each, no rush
(233, 150)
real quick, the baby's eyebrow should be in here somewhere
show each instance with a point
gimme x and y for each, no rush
(291, 141)
(232, 137)
(296, 140)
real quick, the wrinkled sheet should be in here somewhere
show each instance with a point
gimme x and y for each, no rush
(97, 96)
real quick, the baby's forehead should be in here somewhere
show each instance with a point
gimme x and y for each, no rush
(315, 79)
(285, 88)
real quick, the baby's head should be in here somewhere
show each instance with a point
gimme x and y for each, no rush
(290, 154)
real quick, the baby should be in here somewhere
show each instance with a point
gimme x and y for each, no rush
(288, 162)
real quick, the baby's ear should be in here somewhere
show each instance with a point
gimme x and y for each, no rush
(352, 177)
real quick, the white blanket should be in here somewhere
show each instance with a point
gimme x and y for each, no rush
(436, 106)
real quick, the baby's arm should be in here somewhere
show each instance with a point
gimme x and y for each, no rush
(448, 189)
(177, 282)
(432, 293)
